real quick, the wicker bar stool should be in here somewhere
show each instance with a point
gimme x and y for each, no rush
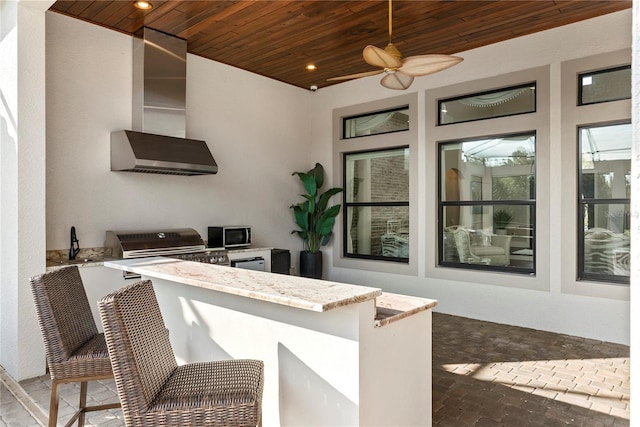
(154, 391)
(76, 352)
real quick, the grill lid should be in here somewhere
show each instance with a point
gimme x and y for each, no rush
(136, 244)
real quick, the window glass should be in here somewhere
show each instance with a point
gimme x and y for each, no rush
(606, 241)
(376, 123)
(605, 189)
(493, 235)
(496, 168)
(377, 204)
(487, 203)
(486, 105)
(604, 85)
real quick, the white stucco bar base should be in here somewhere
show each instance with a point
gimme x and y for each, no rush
(344, 366)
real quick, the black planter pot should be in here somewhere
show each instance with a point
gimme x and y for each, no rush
(311, 264)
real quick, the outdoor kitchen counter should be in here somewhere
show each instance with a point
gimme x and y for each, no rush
(292, 291)
(334, 354)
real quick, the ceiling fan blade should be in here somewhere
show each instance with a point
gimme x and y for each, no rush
(421, 65)
(357, 75)
(380, 58)
(397, 81)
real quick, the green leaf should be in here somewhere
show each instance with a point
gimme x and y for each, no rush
(318, 174)
(301, 216)
(324, 226)
(332, 212)
(326, 220)
(324, 197)
(309, 183)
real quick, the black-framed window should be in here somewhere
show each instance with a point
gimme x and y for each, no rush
(604, 197)
(487, 203)
(506, 101)
(376, 123)
(376, 204)
(611, 84)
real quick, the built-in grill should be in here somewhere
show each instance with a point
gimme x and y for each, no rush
(182, 243)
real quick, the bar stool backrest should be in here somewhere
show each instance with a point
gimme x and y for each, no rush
(63, 312)
(137, 338)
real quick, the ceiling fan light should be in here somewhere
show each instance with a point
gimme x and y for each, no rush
(396, 81)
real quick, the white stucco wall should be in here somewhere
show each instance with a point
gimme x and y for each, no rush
(256, 128)
(22, 184)
(553, 310)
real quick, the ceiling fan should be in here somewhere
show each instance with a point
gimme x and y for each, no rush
(400, 71)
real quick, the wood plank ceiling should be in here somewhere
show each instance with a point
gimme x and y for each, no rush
(278, 38)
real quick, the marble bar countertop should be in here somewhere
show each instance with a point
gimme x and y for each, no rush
(292, 291)
(393, 307)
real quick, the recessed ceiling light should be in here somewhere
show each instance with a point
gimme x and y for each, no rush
(144, 5)
(311, 67)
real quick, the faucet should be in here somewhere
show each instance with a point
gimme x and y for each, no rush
(75, 245)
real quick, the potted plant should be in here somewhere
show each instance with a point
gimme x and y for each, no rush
(502, 218)
(315, 218)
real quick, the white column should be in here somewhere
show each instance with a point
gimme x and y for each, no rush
(635, 220)
(22, 181)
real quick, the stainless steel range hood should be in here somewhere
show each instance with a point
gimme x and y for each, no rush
(144, 152)
(157, 143)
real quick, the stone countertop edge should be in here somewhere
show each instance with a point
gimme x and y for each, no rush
(95, 257)
(81, 262)
(87, 257)
(292, 291)
(393, 307)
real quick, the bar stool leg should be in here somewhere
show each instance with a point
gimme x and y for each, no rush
(83, 403)
(53, 404)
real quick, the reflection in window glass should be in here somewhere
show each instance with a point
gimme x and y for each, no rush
(605, 189)
(493, 235)
(376, 123)
(513, 187)
(487, 203)
(375, 231)
(376, 198)
(606, 244)
(486, 105)
(505, 165)
(604, 85)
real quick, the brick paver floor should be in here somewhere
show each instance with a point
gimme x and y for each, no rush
(98, 392)
(484, 374)
(488, 374)
(12, 413)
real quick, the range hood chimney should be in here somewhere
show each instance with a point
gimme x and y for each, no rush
(157, 143)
